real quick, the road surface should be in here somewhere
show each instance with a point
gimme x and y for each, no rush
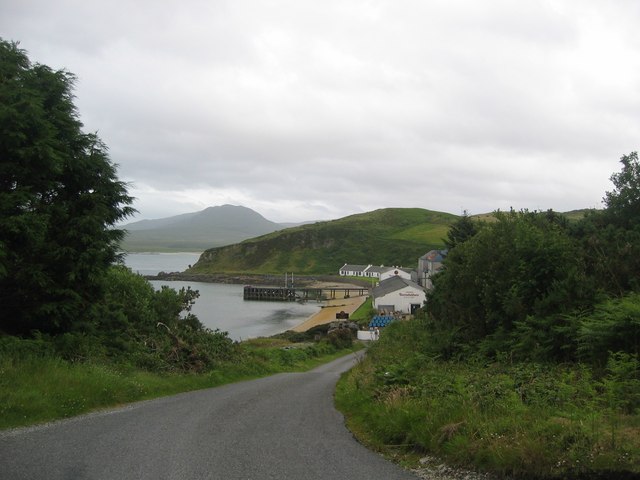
(279, 427)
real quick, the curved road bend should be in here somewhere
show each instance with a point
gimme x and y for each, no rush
(279, 427)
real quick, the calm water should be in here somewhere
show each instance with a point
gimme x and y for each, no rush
(153, 263)
(221, 305)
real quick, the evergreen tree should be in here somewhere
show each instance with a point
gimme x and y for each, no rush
(59, 201)
(462, 230)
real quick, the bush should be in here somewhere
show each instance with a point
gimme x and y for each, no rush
(340, 338)
(614, 326)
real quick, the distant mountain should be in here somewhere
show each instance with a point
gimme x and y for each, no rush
(391, 236)
(197, 231)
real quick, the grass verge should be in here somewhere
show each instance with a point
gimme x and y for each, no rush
(41, 388)
(521, 420)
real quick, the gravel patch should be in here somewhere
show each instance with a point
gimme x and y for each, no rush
(433, 469)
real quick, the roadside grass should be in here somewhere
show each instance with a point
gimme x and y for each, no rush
(39, 388)
(364, 312)
(522, 420)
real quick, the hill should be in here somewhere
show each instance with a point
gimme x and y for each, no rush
(392, 236)
(197, 231)
(572, 216)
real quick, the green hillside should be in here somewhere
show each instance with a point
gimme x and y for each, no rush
(392, 236)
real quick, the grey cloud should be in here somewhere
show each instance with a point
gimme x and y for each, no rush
(310, 110)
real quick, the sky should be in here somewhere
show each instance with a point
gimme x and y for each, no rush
(315, 110)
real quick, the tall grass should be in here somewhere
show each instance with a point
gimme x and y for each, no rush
(526, 420)
(36, 386)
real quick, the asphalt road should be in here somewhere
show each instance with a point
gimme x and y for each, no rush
(279, 427)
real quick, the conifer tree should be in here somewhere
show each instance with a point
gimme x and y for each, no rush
(60, 199)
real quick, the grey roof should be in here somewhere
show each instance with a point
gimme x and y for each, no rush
(379, 269)
(354, 268)
(393, 284)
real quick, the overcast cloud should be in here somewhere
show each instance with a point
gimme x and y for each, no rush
(308, 110)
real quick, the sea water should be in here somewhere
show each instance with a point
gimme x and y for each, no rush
(154, 263)
(221, 306)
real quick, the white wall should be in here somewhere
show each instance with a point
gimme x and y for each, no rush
(402, 299)
(395, 272)
(365, 335)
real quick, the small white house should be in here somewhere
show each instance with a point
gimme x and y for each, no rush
(395, 272)
(374, 271)
(397, 294)
(353, 270)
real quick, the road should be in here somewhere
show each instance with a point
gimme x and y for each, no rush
(279, 427)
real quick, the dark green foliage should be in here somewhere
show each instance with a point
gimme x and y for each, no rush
(623, 203)
(156, 328)
(611, 253)
(520, 265)
(614, 326)
(536, 286)
(460, 231)
(553, 337)
(59, 199)
(340, 338)
(622, 383)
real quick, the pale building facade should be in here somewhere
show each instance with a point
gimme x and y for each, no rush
(397, 294)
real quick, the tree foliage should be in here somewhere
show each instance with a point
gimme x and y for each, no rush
(534, 286)
(460, 231)
(155, 328)
(623, 203)
(522, 264)
(59, 201)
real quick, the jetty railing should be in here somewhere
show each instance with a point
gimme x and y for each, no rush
(290, 294)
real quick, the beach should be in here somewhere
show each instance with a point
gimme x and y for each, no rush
(327, 313)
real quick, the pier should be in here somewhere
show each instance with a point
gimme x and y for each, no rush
(290, 294)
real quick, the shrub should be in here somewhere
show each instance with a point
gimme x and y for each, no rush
(340, 338)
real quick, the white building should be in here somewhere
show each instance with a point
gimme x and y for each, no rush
(348, 270)
(374, 271)
(397, 294)
(395, 272)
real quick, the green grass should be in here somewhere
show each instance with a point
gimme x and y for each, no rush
(533, 420)
(431, 234)
(36, 389)
(364, 313)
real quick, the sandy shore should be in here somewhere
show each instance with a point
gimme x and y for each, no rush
(328, 313)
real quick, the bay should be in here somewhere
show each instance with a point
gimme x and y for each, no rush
(220, 305)
(152, 263)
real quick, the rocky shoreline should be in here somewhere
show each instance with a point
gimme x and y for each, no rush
(253, 279)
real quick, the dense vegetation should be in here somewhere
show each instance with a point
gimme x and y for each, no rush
(59, 198)
(525, 360)
(392, 236)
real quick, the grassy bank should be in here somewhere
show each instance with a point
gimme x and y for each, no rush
(37, 387)
(525, 420)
